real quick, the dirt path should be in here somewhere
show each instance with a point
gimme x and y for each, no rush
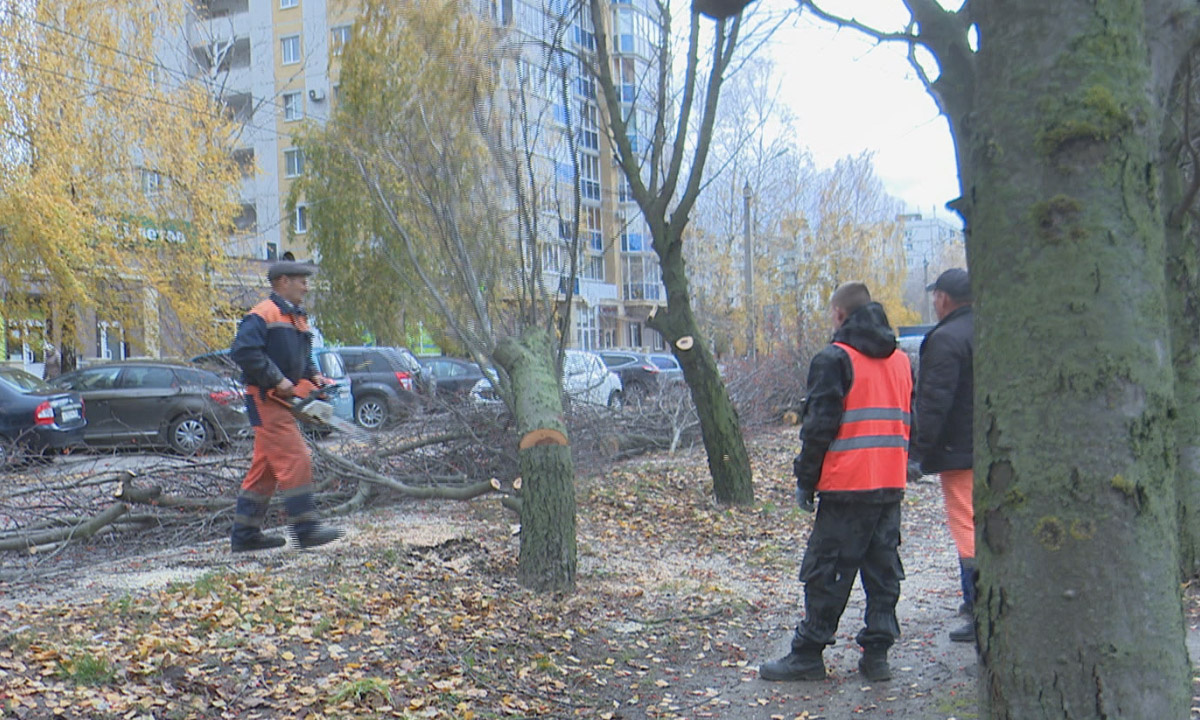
(678, 602)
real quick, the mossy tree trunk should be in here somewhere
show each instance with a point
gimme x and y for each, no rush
(548, 553)
(728, 461)
(1179, 148)
(1075, 459)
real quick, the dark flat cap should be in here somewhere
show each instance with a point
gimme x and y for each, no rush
(287, 267)
(954, 282)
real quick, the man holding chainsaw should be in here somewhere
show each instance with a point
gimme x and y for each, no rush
(273, 347)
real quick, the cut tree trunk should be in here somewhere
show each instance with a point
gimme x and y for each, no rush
(548, 553)
(1079, 605)
(728, 462)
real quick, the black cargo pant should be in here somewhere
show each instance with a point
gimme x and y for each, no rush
(850, 539)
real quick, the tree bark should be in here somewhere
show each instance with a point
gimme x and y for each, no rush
(548, 552)
(1079, 606)
(1183, 302)
(728, 461)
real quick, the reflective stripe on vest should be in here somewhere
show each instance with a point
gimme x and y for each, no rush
(870, 451)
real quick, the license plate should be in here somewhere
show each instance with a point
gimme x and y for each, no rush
(69, 415)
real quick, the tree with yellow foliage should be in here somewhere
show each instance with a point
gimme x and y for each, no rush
(117, 187)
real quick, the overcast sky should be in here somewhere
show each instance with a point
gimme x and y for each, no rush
(851, 94)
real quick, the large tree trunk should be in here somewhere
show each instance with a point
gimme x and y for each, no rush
(1080, 613)
(1183, 282)
(728, 462)
(547, 560)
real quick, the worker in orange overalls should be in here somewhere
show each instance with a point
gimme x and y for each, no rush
(273, 347)
(944, 439)
(857, 416)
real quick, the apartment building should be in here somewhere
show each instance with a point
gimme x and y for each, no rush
(276, 64)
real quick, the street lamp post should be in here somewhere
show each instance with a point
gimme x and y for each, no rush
(748, 283)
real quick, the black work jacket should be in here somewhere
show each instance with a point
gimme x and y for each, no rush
(273, 341)
(945, 405)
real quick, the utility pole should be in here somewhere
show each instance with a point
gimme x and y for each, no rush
(748, 283)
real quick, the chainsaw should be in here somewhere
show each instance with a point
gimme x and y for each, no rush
(310, 406)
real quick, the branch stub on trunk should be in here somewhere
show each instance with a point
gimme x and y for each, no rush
(684, 343)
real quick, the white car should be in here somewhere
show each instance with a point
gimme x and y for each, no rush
(586, 379)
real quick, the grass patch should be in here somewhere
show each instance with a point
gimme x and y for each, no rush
(86, 668)
(365, 692)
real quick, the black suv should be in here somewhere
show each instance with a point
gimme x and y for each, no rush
(640, 376)
(388, 384)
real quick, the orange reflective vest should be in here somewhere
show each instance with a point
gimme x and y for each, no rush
(870, 451)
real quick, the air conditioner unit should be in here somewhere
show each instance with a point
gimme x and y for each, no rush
(316, 95)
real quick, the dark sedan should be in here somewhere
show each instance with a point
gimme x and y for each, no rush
(35, 417)
(454, 378)
(159, 404)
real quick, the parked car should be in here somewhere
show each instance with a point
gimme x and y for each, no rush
(158, 403)
(454, 378)
(586, 379)
(339, 392)
(388, 384)
(639, 374)
(36, 418)
(670, 373)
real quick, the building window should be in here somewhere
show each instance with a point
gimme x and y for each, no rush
(293, 161)
(272, 251)
(300, 220)
(151, 182)
(589, 170)
(595, 240)
(338, 37)
(285, 4)
(293, 106)
(290, 46)
(585, 328)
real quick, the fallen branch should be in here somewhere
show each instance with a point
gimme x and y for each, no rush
(78, 532)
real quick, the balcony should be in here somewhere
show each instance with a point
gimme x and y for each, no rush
(222, 55)
(214, 9)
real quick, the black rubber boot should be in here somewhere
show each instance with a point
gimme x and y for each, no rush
(874, 665)
(302, 512)
(804, 662)
(247, 534)
(964, 633)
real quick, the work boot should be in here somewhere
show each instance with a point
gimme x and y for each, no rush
(307, 532)
(804, 662)
(247, 534)
(874, 665)
(964, 633)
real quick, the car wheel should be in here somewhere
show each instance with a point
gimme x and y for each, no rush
(615, 400)
(188, 434)
(636, 393)
(371, 412)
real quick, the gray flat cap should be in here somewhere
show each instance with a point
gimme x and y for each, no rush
(288, 267)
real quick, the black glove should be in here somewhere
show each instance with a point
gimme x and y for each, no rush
(796, 467)
(806, 499)
(914, 471)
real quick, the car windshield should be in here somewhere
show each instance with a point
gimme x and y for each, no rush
(332, 366)
(22, 380)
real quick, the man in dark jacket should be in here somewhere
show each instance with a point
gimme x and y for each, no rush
(273, 347)
(855, 454)
(943, 437)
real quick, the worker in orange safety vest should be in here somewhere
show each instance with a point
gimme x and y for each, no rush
(273, 347)
(855, 437)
